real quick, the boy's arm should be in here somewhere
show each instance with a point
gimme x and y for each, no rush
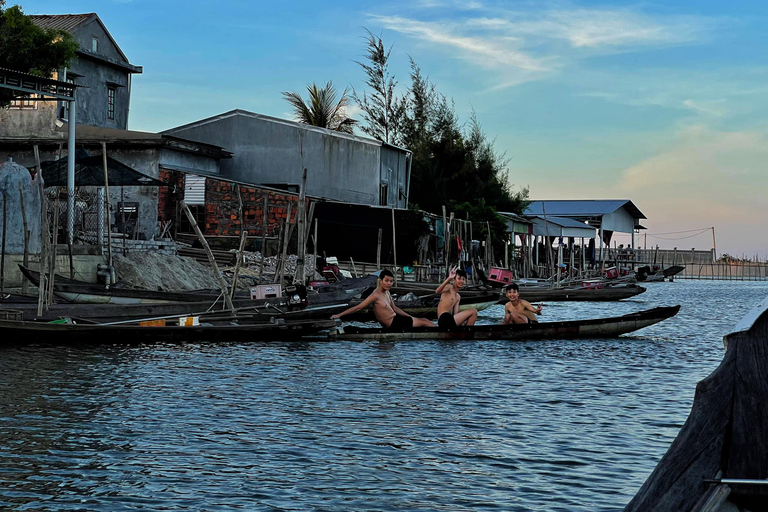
(530, 307)
(368, 300)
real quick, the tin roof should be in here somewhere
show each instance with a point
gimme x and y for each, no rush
(68, 22)
(581, 208)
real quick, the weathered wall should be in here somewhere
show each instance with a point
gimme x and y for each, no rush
(273, 152)
(13, 176)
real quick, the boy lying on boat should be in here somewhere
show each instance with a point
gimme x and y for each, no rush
(448, 314)
(386, 312)
(517, 310)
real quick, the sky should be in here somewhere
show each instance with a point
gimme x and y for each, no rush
(662, 103)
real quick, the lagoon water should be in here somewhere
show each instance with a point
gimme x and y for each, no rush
(342, 426)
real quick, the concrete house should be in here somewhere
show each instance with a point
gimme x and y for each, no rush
(100, 67)
(273, 152)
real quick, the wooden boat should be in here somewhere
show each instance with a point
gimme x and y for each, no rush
(591, 328)
(426, 306)
(80, 292)
(583, 293)
(101, 313)
(20, 332)
(719, 460)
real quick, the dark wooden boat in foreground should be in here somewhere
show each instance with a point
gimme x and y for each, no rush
(719, 460)
(20, 332)
(592, 328)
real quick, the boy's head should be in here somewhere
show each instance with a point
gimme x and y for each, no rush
(461, 273)
(511, 286)
(386, 278)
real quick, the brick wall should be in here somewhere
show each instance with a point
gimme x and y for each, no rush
(222, 216)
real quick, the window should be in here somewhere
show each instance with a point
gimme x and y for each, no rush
(94, 44)
(26, 104)
(384, 195)
(65, 104)
(110, 102)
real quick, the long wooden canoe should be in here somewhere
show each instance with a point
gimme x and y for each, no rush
(21, 332)
(591, 328)
(607, 293)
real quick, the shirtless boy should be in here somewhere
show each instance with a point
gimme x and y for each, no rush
(386, 312)
(448, 314)
(517, 310)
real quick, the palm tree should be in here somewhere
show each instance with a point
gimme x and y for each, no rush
(322, 110)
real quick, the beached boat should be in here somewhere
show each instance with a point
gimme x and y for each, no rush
(14, 332)
(719, 460)
(590, 328)
(80, 292)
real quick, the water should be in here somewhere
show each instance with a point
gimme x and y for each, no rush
(342, 426)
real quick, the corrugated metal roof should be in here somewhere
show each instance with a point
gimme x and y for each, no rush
(66, 22)
(565, 222)
(582, 208)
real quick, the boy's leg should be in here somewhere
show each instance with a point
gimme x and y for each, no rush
(466, 317)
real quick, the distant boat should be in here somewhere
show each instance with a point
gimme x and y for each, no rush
(590, 328)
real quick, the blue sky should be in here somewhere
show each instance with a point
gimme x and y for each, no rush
(661, 103)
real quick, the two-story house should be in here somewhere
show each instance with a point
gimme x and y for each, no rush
(100, 68)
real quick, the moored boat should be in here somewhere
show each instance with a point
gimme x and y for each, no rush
(16, 332)
(570, 329)
(719, 460)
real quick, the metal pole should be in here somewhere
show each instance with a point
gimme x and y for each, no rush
(71, 173)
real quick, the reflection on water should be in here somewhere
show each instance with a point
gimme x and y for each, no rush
(454, 426)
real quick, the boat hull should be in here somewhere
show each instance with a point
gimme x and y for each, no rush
(592, 328)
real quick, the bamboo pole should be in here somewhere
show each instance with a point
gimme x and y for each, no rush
(301, 250)
(43, 233)
(24, 282)
(2, 254)
(445, 241)
(378, 253)
(314, 245)
(54, 243)
(354, 269)
(394, 246)
(287, 232)
(211, 258)
(107, 205)
(263, 240)
(243, 238)
(307, 224)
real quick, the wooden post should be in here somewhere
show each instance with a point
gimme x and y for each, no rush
(24, 282)
(378, 253)
(284, 247)
(43, 233)
(54, 243)
(354, 269)
(263, 240)
(2, 254)
(314, 245)
(307, 224)
(107, 205)
(301, 250)
(243, 238)
(211, 258)
(445, 241)
(394, 247)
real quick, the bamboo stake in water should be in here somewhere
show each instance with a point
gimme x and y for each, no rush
(211, 258)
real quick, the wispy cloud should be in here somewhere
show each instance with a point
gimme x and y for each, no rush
(526, 45)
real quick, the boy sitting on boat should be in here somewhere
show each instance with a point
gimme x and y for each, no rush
(517, 310)
(386, 312)
(448, 314)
